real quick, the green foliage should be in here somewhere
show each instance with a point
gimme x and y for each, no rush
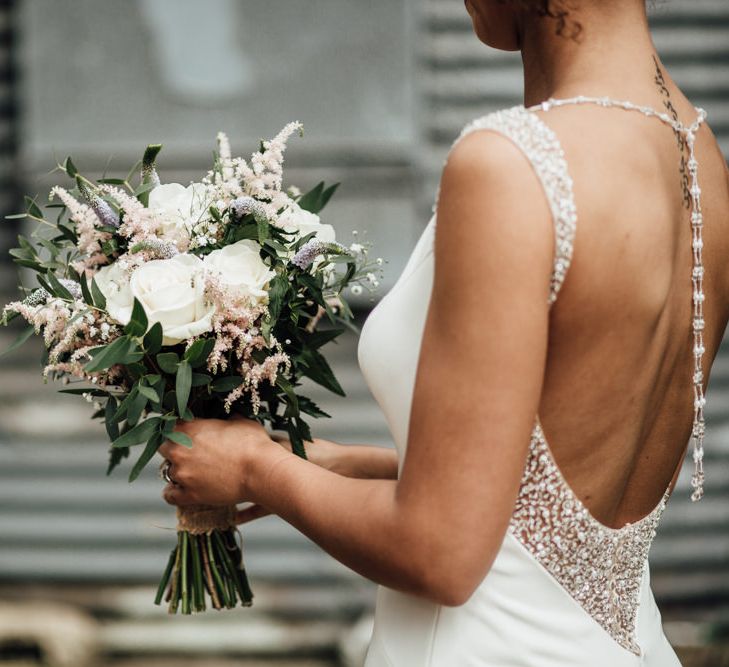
(138, 323)
(317, 198)
(161, 384)
(124, 350)
(183, 384)
(153, 339)
(168, 362)
(180, 438)
(138, 434)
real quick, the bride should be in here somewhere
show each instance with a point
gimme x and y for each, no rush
(543, 434)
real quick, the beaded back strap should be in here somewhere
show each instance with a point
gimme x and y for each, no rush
(543, 150)
(697, 274)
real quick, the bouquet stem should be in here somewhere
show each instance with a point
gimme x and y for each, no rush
(206, 562)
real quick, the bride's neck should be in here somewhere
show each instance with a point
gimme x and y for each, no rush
(612, 55)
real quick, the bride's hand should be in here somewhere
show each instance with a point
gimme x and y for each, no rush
(213, 471)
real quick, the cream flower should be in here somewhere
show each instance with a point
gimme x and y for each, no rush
(172, 292)
(179, 208)
(240, 267)
(113, 281)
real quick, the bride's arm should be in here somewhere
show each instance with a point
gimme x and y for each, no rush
(358, 461)
(436, 531)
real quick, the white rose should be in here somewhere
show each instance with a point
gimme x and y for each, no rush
(240, 266)
(113, 281)
(172, 293)
(179, 208)
(296, 219)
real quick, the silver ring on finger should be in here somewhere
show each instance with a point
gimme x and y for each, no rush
(165, 472)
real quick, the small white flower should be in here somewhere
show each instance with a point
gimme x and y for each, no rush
(380, 261)
(372, 278)
(356, 248)
(356, 290)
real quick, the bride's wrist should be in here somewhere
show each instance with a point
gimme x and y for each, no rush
(258, 471)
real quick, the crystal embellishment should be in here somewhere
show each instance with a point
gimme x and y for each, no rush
(600, 567)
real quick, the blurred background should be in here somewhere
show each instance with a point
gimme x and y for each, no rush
(383, 87)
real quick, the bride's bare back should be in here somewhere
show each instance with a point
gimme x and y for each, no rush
(617, 401)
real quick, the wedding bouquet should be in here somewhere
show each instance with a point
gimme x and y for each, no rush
(165, 302)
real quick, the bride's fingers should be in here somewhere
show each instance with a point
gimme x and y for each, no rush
(250, 514)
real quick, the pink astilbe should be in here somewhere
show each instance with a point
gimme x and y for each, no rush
(70, 330)
(139, 222)
(236, 325)
(263, 178)
(85, 220)
(254, 373)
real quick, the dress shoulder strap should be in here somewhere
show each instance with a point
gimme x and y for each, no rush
(542, 148)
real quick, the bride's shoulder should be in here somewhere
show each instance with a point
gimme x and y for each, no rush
(494, 159)
(491, 197)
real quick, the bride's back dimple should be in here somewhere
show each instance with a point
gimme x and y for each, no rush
(617, 398)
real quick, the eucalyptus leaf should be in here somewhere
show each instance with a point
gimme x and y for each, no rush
(99, 298)
(111, 354)
(183, 384)
(79, 391)
(138, 322)
(223, 385)
(201, 379)
(33, 208)
(327, 195)
(112, 427)
(139, 434)
(168, 362)
(311, 200)
(70, 167)
(153, 444)
(197, 354)
(153, 339)
(56, 288)
(180, 438)
(136, 408)
(149, 393)
(86, 293)
(278, 288)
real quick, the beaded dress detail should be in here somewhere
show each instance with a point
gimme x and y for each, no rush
(599, 566)
(565, 589)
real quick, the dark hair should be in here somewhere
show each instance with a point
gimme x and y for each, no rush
(557, 12)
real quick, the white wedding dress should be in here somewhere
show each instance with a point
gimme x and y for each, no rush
(565, 590)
